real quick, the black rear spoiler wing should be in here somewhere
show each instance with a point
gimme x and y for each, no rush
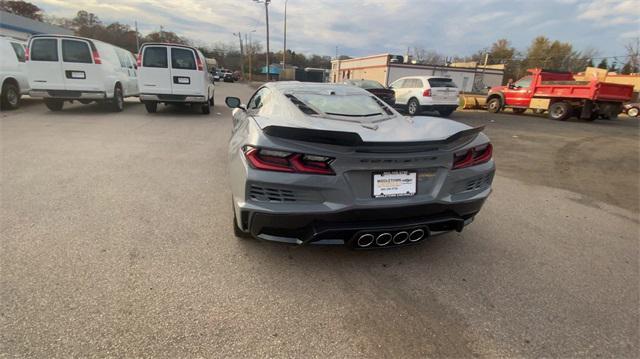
(352, 139)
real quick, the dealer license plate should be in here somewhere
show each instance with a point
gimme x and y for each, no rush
(394, 184)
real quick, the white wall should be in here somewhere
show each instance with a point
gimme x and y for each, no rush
(463, 78)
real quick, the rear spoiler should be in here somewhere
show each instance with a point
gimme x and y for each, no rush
(352, 139)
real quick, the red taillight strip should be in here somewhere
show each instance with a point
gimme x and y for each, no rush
(96, 57)
(293, 163)
(26, 54)
(139, 59)
(426, 93)
(199, 63)
(473, 157)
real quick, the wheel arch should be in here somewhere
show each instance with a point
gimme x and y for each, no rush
(498, 95)
(11, 80)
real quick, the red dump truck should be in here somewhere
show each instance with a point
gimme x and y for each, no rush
(560, 95)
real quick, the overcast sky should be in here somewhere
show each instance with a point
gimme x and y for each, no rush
(365, 27)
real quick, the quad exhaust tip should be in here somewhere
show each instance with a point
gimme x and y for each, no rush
(384, 239)
(416, 235)
(400, 237)
(365, 240)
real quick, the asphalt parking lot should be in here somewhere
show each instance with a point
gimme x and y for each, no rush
(117, 241)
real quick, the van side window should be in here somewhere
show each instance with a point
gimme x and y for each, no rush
(19, 50)
(76, 51)
(155, 57)
(182, 59)
(44, 50)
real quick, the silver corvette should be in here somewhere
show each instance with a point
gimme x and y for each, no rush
(333, 164)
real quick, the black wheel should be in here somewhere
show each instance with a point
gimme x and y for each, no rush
(519, 111)
(54, 105)
(494, 105)
(413, 107)
(445, 113)
(117, 103)
(206, 108)
(560, 111)
(633, 112)
(10, 96)
(151, 107)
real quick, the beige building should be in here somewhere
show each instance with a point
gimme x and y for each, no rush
(386, 68)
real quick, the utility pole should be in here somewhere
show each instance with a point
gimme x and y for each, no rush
(137, 38)
(160, 33)
(241, 53)
(284, 53)
(266, 13)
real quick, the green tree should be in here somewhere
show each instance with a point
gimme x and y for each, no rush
(603, 64)
(22, 8)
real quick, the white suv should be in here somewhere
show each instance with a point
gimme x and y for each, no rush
(426, 93)
(172, 73)
(13, 73)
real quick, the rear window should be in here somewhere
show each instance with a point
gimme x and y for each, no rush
(44, 50)
(441, 83)
(342, 105)
(19, 50)
(155, 57)
(76, 51)
(182, 59)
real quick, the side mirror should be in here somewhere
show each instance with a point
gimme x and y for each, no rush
(233, 102)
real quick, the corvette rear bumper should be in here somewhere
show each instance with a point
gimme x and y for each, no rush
(341, 227)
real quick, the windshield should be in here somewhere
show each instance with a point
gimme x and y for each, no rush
(436, 82)
(342, 105)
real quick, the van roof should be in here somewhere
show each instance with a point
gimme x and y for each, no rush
(93, 41)
(167, 44)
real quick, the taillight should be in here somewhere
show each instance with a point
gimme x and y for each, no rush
(282, 161)
(199, 63)
(473, 156)
(96, 57)
(426, 93)
(26, 54)
(139, 59)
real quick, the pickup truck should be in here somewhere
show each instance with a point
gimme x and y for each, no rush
(560, 95)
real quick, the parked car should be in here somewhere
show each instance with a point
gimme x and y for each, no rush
(227, 76)
(67, 68)
(632, 109)
(426, 93)
(376, 88)
(216, 75)
(13, 73)
(331, 164)
(171, 74)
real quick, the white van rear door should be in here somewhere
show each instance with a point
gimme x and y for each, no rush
(45, 64)
(186, 79)
(154, 76)
(81, 65)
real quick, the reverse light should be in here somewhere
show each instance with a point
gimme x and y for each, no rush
(282, 161)
(426, 93)
(473, 156)
(96, 57)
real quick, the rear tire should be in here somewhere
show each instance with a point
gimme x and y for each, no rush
(519, 111)
(413, 107)
(206, 108)
(10, 96)
(117, 103)
(54, 105)
(494, 105)
(560, 111)
(633, 112)
(151, 107)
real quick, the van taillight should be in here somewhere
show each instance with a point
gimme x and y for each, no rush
(199, 63)
(26, 54)
(426, 93)
(139, 59)
(96, 57)
(473, 156)
(283, 161)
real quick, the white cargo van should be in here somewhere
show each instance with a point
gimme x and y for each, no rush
(171, 73)
(13, 72)
(66, 68)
